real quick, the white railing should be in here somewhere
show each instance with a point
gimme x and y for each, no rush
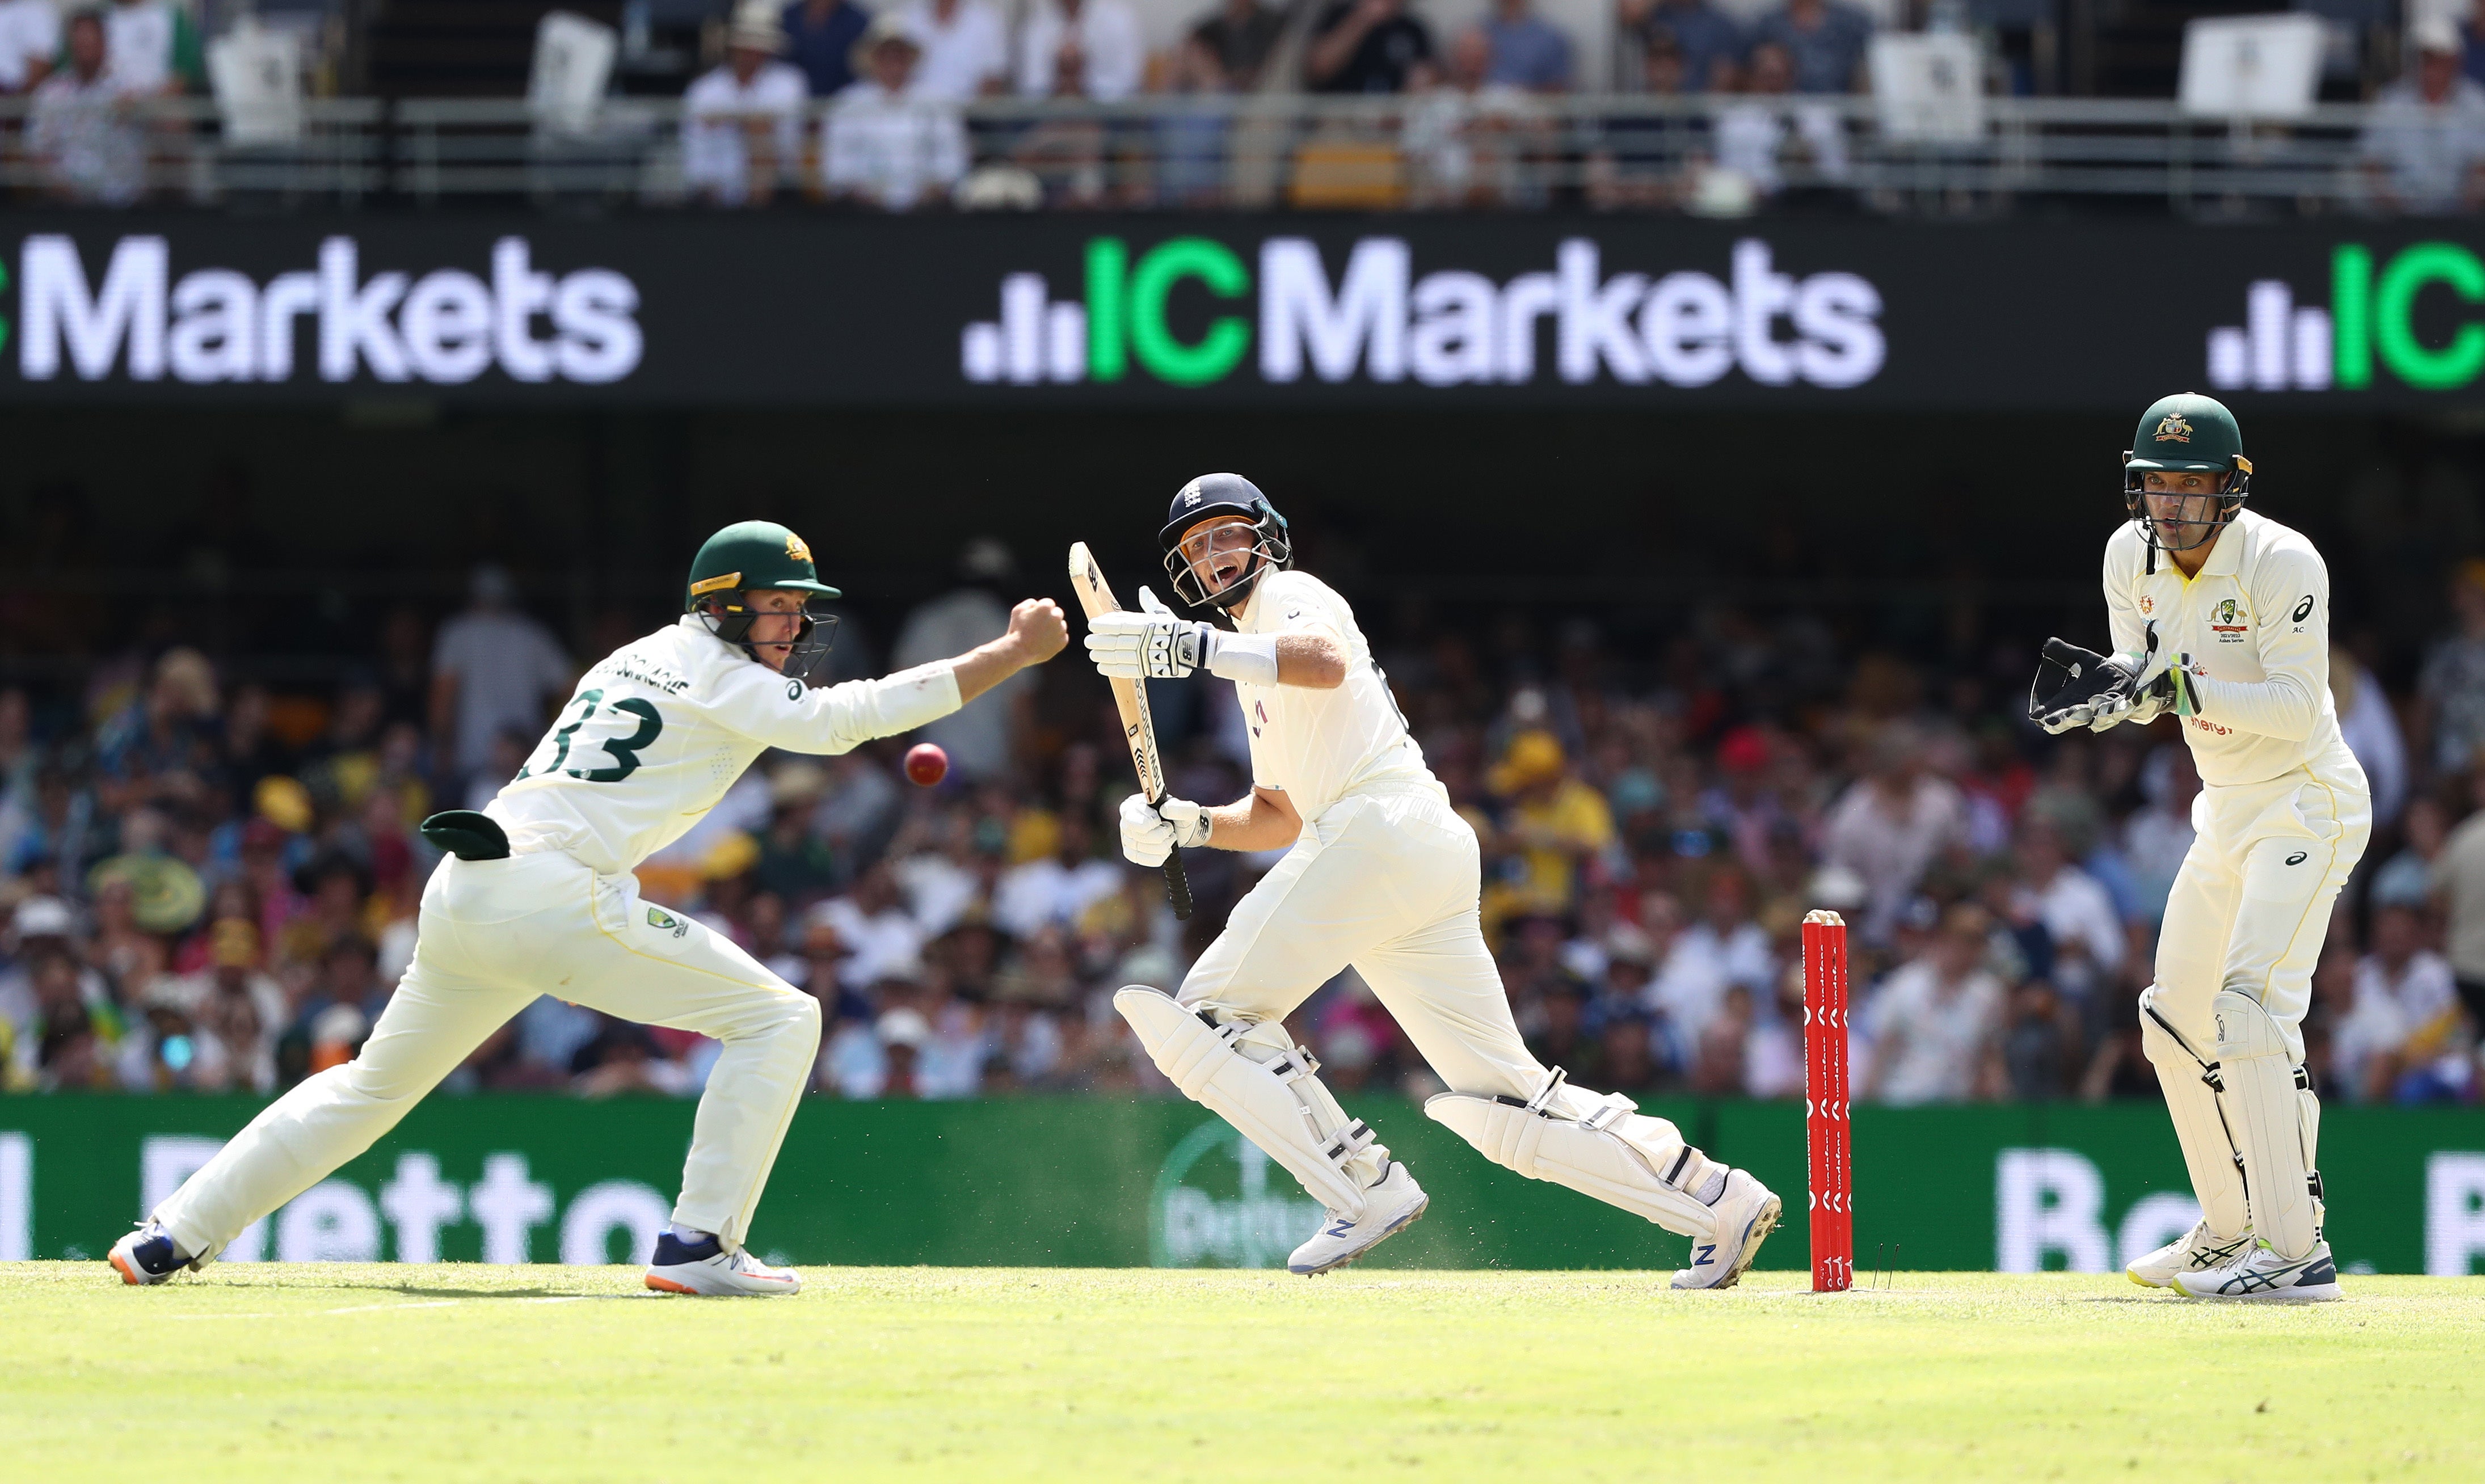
(1720, 155)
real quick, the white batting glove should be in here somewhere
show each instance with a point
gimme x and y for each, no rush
(1151, 832)
(1151, 644)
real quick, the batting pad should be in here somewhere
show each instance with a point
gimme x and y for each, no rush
(2209, 1153)
(1589, 1156)
(1277, 1103)
(2268, 1123)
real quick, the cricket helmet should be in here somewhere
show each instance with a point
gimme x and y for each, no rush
(752, 556)
(1205, 499)
(2186, 433)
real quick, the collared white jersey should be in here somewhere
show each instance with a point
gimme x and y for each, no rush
(1319, 745)
(2256, 622)
(655, 734)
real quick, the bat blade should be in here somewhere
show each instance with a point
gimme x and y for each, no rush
(1139, 728)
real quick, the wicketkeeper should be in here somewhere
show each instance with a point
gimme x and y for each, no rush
(2220, 617)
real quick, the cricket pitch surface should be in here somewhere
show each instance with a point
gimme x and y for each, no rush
(469, 1372)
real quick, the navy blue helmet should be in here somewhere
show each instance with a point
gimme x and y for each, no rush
(1205, 499)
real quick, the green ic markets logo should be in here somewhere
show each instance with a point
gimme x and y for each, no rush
(1189, 312)
(2370, 324)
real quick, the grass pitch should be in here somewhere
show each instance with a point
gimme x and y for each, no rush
(469, 1372)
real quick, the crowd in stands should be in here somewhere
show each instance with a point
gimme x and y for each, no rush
(210, 884)
(834, 101)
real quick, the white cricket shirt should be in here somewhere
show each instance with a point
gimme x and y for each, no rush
(2256, 622)
(656, 733)
(1319, 746)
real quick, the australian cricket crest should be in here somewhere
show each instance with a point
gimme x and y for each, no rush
(665, 921)
(2226, 624)
(2173, 428)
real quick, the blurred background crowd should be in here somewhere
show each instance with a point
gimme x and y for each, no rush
(209, 882)
(1717, 107)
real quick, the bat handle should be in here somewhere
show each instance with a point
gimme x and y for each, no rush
(1178, 886)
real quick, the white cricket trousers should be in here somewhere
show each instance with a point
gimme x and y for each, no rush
(2251, 902)
(1386, 880)
(494, 935)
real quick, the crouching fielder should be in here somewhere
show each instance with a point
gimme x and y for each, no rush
(1382, 875)
(540, 900)
(2221, 617)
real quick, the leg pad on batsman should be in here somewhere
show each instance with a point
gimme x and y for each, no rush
(1253, 1074)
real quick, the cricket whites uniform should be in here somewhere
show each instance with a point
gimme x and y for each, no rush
(646, 746)
(2280, 821)
(1385, 878)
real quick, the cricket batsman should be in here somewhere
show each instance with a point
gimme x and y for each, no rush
(2221, 617)
(540, 899)
(1380, 872)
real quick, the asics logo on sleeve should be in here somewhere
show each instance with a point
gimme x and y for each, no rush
(2296, 859)
(2301, 609)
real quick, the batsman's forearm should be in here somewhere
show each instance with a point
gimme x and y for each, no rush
(1253, 823)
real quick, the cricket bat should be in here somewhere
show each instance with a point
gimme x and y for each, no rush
(1139, 728)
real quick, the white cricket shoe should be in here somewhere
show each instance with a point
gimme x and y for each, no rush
(2262, 1274)
(1746, 1214)
(2195, 1251)
(1388, 1208)
(709, 1269)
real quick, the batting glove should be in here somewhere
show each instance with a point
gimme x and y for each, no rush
(1151, 832)
(1151, 644)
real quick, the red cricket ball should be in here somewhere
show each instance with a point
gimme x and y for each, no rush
(926, 764)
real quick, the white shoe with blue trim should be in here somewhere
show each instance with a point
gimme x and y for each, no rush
(1388, 1208)
(1746, 1214)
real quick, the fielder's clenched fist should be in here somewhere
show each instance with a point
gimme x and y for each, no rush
(1152, 832)
(1038, 629)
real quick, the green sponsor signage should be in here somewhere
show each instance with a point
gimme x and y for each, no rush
(1090, 1182)
(1127, 310)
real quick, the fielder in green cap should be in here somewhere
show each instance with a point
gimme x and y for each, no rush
(2220, 619)
(539, 898)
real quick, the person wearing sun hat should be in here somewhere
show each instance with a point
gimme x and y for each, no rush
(742, 121)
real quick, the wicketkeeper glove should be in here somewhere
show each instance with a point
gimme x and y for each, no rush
(1151, 644)
(2073, 684)
(1150, 832)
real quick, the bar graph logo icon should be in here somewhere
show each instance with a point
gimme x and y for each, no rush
(2369, 326)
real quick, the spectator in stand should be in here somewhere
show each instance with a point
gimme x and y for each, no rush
(965, 47)
(2458, 882)
(980, 738)
(1052, 890)
(2408, 1029)
(492, 668)
(1527, 51)
(2068, 901)
(2157, 837)
(881, 939)
(1468, 135)
(2371, 731)
(1890, 826)
(2423, 147)
(822, 35)
(82, 133)
(2040, 1046)
(1235, 42)
(154, 47)
(879, 144)
(1638, 161)
(1935, 1020)
(1757, 136)
(1365, 46)
(30, 38)
(742, 122)
(1094, 44)
(2450, 690)
(2406, 879)
(1824, 43)
(1708, 43)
